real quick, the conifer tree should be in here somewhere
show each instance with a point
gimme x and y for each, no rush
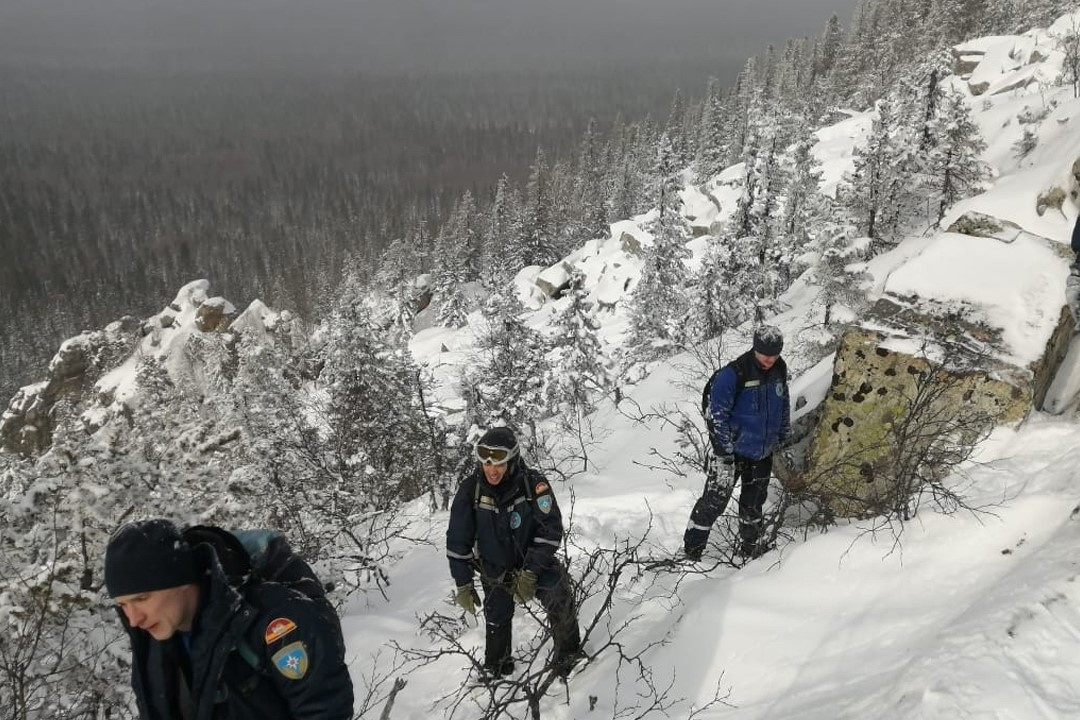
(590, 188)
(805, 207)
(502, 257)
(882, 189)
(713, 140)
(579, 367)
(506, 381)
(452, 270)
(539, 232)
(955, 167)
(658, 303)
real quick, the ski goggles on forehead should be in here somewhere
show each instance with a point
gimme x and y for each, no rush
(492, 455)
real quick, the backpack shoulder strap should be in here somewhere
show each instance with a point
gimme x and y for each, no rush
(250, 656)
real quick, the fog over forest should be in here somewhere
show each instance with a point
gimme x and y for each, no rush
(262, 144)
(406, 35)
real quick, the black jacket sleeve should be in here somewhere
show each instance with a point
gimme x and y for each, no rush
(548, 532)
(461, 532)
(305, 653)
(1076, 236)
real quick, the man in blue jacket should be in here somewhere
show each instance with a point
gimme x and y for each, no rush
(204, 650)
(506, 525)
(749, 417)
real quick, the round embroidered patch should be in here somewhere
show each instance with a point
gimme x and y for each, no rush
(278, 628)
(515, 520)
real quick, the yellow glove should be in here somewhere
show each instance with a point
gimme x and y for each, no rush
(467, 598)
(524, 586)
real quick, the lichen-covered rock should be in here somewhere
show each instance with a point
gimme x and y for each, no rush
(874, 388)
(982, 351)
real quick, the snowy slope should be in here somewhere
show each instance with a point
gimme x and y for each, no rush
(970, 615)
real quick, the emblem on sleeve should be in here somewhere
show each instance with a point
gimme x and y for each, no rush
(540, 487)
(291, 661)
(278, 628)
(544, 504)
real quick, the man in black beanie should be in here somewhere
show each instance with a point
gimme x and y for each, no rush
(505, 523)
(748, 416)
(203, 649)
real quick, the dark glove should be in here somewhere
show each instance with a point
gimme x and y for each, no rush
(467, 598)
(726, 458)
(524, 586)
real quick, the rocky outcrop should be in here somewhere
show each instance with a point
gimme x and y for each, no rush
(96, 368)
(965, 360)
(26, 426)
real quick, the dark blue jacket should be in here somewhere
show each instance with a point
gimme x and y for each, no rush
(1076, 236)
(514, 525)
(754, 420)
(269, 623)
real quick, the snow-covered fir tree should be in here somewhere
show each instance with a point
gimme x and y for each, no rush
(954, 166)
(505, 382)
(452, 268)
(658, 305)
(882, 189)
(713, 145)
(502, 238)
(580, 368)
(539, 232)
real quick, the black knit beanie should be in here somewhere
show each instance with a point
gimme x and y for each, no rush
(146, 556)
(499, 437)
(768, 340)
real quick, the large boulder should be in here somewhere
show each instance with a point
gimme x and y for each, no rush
(983, 350)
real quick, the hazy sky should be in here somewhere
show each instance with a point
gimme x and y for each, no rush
(401, 34)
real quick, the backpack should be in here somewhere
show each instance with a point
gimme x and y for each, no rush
(706, 392)
(251, 557)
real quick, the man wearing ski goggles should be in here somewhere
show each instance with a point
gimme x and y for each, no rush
(505, 523)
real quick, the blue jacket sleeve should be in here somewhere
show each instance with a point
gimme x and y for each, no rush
(461, 533)
(785, 417)
(721, 403)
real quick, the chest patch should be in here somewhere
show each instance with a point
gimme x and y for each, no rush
(278, 628)
(292, 661)
(515, 520)
(544, 503)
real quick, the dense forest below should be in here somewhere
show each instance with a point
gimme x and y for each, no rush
(119, 185)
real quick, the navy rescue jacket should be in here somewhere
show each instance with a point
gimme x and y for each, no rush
(514, 525)
(749, 406)
(270, 653)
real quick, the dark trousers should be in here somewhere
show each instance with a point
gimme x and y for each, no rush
(720, 479)
(553, 592)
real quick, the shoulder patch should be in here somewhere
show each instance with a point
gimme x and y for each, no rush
(292, 661)
(540, 487)
(278, 628)
(544, 503)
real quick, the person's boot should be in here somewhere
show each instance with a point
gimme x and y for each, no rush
(497, 660)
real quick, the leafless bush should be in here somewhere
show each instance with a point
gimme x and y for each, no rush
(607, 581)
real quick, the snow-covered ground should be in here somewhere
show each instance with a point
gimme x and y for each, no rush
(970, 615)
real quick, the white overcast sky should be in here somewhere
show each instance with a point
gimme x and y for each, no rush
(405, 34)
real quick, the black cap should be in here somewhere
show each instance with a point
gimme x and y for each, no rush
(768, 340)
(499, 437)
(146, 556)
